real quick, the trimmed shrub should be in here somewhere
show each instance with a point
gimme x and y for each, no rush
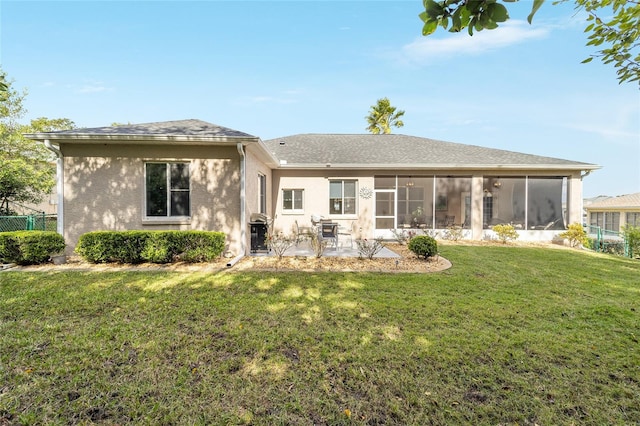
(112, 246)
(150, 246)
(576, 235)
(423, 246)
(30, 247)
(505, 232)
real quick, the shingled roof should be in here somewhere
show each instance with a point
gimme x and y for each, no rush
(629, 201)
(185, 129)
(401, 151)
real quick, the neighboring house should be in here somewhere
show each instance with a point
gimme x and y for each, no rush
(195, 175)
(612, 213)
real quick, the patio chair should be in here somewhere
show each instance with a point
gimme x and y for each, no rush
(301, 232)
(449, 221)
(329, 231)
(346, 232)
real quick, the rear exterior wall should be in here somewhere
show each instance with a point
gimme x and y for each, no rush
(104, 189)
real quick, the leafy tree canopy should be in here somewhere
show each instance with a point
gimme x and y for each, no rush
(382, 116)
(26, 170)
(612, 25)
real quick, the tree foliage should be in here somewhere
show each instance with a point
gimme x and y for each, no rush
(613, 25)
(382, 116)
(620, 34)
(26, 170)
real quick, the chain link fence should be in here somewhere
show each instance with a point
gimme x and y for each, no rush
(605, 241)
(32, 222)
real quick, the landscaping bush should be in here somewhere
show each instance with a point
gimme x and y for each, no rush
(576, 235)
(453, 233)
(505, 232)
(402, 235)
(150, 246)
(368, 249)
(198, 246)
(632, 235)
(279, 243)
(423, 246)
(30, 247)
(112, 246)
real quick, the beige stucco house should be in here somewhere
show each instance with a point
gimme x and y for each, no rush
(191, 174)
(612, 213)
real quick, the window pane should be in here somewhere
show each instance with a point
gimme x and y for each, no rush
(262, 193)
(384, 204)
(335, 206)
(449, 199)
(384, 223)
(156, 187)
(385, 182)
(349, 205)
(612, 221)
(179, 176)
(180, 203)
(287, 199)
(335, 189)
(297, 199)
(350, 189)
(545, 203)
(597, 219)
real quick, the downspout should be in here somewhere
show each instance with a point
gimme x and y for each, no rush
(243, 222)
(59, 184)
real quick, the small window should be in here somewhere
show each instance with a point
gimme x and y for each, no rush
(597, 219)
(262, 193)
(292, 200)
(342, 197)
(612, 221)
(167, 187)
(633, 219)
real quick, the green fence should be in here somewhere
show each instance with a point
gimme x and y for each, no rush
(608, 241)
(37, 222)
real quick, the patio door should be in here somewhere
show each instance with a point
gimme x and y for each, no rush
(385, 209)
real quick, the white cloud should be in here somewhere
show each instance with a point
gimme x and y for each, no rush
(425, 49)
(92, 88)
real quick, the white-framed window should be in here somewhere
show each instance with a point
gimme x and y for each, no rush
(633, 219)
(293, 200)
(262, 193)
(167, 190)
(612, 221)
(342, 196)
(596, 219)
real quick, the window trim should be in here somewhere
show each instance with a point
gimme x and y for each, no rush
(293, 210)
(168, 219)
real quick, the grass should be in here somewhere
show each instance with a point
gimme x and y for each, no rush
(509, 335)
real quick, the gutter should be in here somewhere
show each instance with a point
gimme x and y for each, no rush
(243, 222)
(436, 167)
(59, 184)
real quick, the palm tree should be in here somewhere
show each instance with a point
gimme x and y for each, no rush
(382, 116)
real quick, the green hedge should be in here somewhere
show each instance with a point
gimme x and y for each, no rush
(423, 246)
(150, 246)
(30, 247)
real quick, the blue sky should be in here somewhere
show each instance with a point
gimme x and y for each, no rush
(276, 68)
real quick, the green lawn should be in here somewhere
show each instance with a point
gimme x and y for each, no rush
(509, 335)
